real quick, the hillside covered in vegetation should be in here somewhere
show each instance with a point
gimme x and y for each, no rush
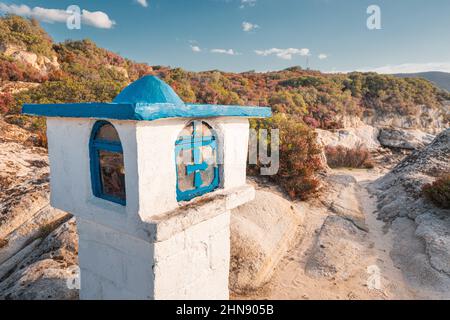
(440, 79)
(80, 71)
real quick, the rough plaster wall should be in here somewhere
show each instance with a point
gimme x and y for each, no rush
(113, 265)
(68, 146)
(235, 147)
(156, 165)
(194, 264)
(70, 180)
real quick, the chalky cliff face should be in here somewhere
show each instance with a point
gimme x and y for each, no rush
(116, 167)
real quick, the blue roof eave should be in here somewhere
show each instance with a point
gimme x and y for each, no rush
(143, 111)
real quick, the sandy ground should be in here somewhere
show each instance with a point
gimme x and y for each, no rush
(373, 276)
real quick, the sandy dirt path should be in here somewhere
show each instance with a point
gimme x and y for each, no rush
(361, 270)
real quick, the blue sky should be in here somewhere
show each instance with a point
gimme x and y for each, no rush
(240, 35)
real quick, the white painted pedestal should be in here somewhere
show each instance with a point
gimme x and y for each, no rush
(185, 255)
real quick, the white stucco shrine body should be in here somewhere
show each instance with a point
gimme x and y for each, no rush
(151, 181)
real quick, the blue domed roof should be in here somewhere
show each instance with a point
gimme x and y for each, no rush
(148, 90)
(146, 99)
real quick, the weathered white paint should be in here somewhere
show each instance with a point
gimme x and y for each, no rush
(235, 148)
(154, 247)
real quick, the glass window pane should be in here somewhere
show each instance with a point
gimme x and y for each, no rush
(208, 156)
(206, 130)
(107, 133)
(185, 182)
(112, 174)
(207, 176)
(188, 131)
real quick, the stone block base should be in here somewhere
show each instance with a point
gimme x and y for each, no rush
(186, 254)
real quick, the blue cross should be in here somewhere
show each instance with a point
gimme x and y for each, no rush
(194, 143)
(197, 167)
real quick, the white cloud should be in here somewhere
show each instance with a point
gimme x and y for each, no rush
(409, 68)
(248, 26)
(248, 3)
(323, 56)
(96, 19)
(230, 52)
(285, 54)
(143, 3)
(196, 48)
(43, 14)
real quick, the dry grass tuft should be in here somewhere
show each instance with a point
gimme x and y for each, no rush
(341, 157)
(3, 243)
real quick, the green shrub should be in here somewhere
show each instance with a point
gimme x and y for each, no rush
(439, 191)
(26, 33)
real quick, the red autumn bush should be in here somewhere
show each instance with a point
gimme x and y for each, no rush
(10, 71)
(6, 100)
(342, 157)
(299, 156)
(439, 191)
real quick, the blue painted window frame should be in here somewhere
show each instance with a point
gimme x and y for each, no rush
(95, 146)
(193, 142)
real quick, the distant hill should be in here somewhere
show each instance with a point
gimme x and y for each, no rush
(440, 79)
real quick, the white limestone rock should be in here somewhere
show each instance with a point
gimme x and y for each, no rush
(49, 272)
(400, 197)
(404, 139)
(435, 231)
(39, 62)
(400, 191)
(424, 118)
(339, 249)
(351, 138)
(261, 232)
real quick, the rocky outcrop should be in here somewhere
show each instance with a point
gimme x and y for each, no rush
(411, 255)
(261, 233)
(29, 265)
(9, 49)
(400, 200)
(430, 120)
(120, 70)
(404, 139)
(408, 177)
(38, 62)
(41, 63)
(388, 130)
(350, 137)
(434, 231)
(48, 272)
(24, 183)
(375, 138)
